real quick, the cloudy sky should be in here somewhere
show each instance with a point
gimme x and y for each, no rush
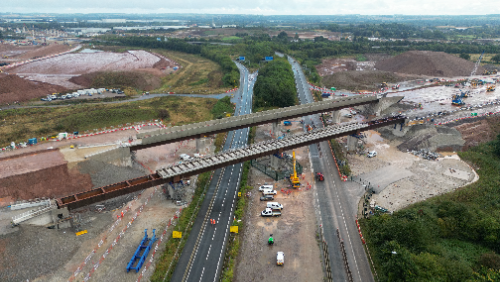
(261, 7)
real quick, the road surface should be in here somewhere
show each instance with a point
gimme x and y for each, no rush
(335, 202)
(203, 254)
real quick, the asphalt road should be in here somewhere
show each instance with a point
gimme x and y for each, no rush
(335, 201)
(202, 257)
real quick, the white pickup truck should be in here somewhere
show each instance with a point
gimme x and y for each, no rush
(270, 212)
(269, 192)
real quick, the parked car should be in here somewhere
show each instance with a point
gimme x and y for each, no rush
(372, 154)
(267, 198)
(280, 258)
(269, 192)
(184, 157)
(348, 115)
(266, 187)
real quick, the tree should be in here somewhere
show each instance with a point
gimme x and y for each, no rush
(296, 37)
(496, 58)
(465, 56)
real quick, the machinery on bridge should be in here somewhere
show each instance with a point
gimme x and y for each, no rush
(294, 178)
(289, 122)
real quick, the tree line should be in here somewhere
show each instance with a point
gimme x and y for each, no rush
(275, 85)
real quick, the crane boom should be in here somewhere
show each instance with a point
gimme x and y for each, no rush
(476, 66)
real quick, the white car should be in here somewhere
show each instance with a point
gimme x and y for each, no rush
(269, 192)
(348, 115)
(280, 258)
(353, 112)
(184, 157)
(372, 154)
(266, 187)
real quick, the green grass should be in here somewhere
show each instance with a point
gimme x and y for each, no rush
(222, 108)
(339, 155)
(19, 125)
(231, 38)
(452, 237)
(361, 58)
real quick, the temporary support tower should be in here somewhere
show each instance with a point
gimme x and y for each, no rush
(145, 245)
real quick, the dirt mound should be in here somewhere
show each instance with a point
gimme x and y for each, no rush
(428, 63)
(28, 52)
(355, 80)
(13, 88)
(427, 137)
(119, 79)
(81, 63)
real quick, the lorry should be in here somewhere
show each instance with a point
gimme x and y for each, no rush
(270, 212)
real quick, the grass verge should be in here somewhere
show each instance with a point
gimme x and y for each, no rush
(451, 237)
(18, 125)
(197, 75)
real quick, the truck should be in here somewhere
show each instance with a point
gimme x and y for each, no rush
(269, 192)
(280, 258)
(270, 212)
(275, 206)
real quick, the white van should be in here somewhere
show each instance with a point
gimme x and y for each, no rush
(280, 258)
(275, 205)
(269, 192)
(184, 157)
(266, 187)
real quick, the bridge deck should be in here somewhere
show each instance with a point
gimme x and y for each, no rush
(200, 129)
(186, 169)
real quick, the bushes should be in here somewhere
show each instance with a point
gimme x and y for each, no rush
(452, 237)
(275, 86)
(222, 107)
(344, 165)
(231, 73)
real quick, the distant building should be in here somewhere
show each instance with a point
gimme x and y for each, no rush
(114, 20)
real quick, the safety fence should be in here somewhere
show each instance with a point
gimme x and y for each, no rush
(105, 237)
(232, 90)
(137, 126)
(276, 175)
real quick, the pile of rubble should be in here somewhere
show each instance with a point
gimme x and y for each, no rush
(426, 154)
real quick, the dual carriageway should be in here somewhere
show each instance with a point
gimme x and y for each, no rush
(202, 256)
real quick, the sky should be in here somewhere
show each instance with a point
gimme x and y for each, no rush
(260, 7)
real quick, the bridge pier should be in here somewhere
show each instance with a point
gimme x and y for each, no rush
(275, 163)
(275, 133)
(351, 143)
(336, 117)
(198, 145)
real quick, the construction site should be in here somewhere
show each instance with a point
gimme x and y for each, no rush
(412, 162)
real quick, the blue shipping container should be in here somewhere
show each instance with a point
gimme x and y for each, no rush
(32, 141)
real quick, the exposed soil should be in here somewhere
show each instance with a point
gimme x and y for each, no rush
(90, 62)
(118, 79)
(19, 53)
(428, 63)
(13, 88)
(357, 80)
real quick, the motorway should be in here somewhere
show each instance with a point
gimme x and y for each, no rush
(334, 201)
(203, 254)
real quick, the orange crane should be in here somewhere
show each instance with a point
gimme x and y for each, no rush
(294, 178)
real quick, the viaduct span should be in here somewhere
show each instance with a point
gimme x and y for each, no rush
(197, 166)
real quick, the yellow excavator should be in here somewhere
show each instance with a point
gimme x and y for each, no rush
(294, 178)
(490, 88)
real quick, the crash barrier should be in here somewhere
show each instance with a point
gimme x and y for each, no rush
(232, 90)
(24, 204)
(95, 132)
(39, 59)
(367, 249)
(326, 256)
(31, 214)
(344, 257)
(105, 237)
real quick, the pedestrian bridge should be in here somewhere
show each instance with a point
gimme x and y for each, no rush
(202, 129)
(175, 173)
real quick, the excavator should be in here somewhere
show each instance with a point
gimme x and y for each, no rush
(490, 88)
(294, 178)
(487, 72)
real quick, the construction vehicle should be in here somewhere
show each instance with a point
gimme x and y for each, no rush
(271, 240)
(487, 72)
(490, 88)
(464, 93)
(309, 128)
(294, 178)
(395, 87)
(280, 258)
(270, 212)
(469, 80)
(383, 85)
(457, 101)
(289, 122)
(319, 177)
